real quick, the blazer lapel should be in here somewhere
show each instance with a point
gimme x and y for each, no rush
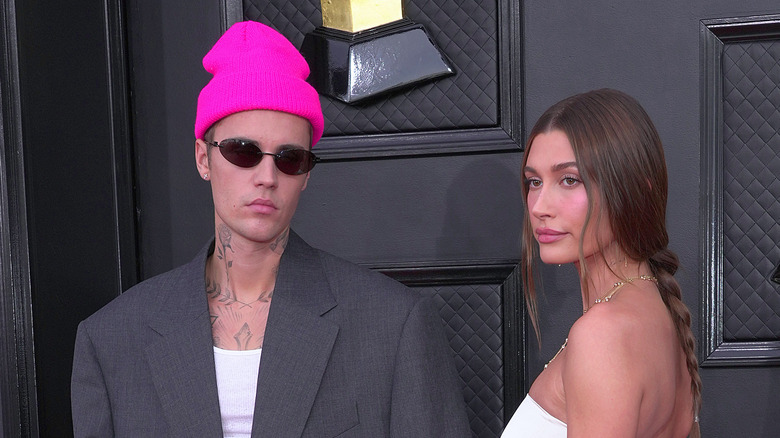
(181, 356)
(298, 343)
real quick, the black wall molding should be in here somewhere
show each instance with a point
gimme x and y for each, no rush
(441, 273)
(18, 398)
(122, 145)
(714, 34)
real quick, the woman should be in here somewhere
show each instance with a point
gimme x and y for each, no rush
(595, 190)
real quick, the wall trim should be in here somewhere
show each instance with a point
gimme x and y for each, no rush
(125, 211)
(714, 351)
(18, 395)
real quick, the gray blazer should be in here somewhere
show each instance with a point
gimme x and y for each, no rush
(347, 352)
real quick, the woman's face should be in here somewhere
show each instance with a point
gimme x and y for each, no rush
(558, 203)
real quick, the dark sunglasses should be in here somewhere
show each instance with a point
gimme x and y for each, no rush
(246, 153)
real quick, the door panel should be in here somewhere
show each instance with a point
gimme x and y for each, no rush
(72, 247)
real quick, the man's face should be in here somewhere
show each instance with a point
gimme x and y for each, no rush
(257, 203)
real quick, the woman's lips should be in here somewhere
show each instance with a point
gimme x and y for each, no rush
(547, 235)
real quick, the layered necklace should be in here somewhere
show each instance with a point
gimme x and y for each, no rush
(605, 298)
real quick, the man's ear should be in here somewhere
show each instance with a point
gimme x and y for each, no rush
(306, 182)
(202, 157)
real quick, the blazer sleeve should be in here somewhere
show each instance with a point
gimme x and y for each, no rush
(427, 394)
(90, 404)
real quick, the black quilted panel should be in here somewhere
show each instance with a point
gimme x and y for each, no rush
(466, 31)
(472, 316)
(751, 198)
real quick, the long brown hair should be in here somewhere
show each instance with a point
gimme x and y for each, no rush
(620, 157)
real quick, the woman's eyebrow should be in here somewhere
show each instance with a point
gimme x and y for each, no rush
(556, 168)
(561, 166)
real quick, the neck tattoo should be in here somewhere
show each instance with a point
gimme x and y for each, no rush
(605, 298)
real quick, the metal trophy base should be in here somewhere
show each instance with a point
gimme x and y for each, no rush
(352, 67)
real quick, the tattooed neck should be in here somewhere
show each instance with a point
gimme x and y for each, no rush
(239, 295)
(227, 297)
(224, 235)
(279, 245)
(220, 281)
(224, 293)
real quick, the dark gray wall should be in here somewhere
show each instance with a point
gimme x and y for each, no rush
(428, 209)
(167, 41)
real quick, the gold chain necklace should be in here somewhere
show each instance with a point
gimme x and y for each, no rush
(615, 287)
(556, 354)
(608, 296)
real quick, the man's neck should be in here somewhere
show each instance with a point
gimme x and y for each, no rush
(240, 272)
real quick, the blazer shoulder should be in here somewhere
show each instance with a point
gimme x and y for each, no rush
(145, 297)
(345, 277)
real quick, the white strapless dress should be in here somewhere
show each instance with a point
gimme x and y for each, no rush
(531, 421)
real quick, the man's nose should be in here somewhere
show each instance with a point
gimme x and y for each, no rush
(265, 172)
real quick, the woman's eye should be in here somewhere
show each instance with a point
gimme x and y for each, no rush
(570, 181)
(533, 182)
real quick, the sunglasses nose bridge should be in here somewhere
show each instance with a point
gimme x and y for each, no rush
(274, 157)
(265, 171)
(261, 155)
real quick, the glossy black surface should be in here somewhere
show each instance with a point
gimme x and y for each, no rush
(352, 67)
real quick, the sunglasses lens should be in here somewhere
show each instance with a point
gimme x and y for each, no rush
(244, 153)
(240, 153)
(293, 161)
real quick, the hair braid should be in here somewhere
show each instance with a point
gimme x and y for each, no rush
(664, 264)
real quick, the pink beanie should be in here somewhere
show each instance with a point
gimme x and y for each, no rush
(255, 67)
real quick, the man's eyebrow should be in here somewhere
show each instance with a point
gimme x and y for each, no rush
(556, 168)
(292, 146)
(260, 145)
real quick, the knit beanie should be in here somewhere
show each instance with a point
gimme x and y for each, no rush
(255, 67)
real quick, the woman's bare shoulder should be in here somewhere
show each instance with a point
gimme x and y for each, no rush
(629, 322)
(615, 362)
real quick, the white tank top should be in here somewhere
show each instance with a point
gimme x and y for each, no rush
(237, 386)
(532, 421)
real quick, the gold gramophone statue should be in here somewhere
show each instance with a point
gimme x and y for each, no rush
(366, 48)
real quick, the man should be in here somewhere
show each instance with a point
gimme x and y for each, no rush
(345, 351)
